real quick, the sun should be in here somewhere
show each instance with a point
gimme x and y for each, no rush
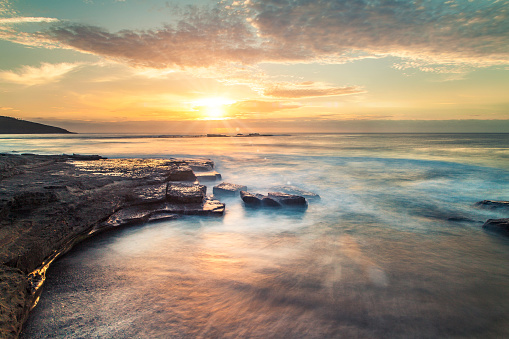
(212, 108)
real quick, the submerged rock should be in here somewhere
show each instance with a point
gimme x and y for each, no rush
(182, 193)
(227, 189)
(492, 204)
(295, 191)
(288, 199)
(497, 225)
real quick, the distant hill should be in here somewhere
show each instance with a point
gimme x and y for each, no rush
(15, 126)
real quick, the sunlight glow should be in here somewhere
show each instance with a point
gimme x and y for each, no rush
(212, 108)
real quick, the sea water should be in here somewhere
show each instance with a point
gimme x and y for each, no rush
(393, 249)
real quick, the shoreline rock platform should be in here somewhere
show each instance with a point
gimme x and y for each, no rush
(49, 203)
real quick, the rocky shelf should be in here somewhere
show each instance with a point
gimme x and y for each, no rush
(48, 203)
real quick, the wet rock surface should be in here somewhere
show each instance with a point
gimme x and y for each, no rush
(500, 226)
(272, 199)
(48, 203)
(181, 193)
(288, 199)
(227, 189)
(490, 204)
(251, 199)
(208, 176)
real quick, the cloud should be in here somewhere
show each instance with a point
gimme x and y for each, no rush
(428, 32)
(20, 20)
(45, 73)
(203, 38)
(7, 9)
(308, 90)
(461, 31)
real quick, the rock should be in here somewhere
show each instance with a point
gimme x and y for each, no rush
(49, 203)
(15, 301)
(85, 157)
(209, 207)
(213, 207)
(208, 176)
(288, 199)
(128, 216)
(200, 165)
(251, 199)
(212, 135)
(140, 214)
(148, 194)
(492, 204)
(162, 216)
(273, 199)
(182, 193)
(270, 202)
(497, 225)
(180, 172)
(27, 201)
(226, 189)
(295, 191)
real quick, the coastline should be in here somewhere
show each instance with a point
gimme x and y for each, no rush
(50, 203)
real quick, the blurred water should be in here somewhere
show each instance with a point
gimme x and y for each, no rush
(393, 249)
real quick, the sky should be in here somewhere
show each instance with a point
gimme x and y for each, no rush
(191, 67)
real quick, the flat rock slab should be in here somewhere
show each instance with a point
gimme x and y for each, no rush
(148, 194)
(180, 172)
(183, 193)
(118, 169)
(272, 199)
(500, 226)
(85, 157)
(295, 191)
(287, 199)
(135, 215)
(227, 189)
(208, 176)
(200, 165)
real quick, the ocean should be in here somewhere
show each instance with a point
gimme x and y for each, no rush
(393, 249)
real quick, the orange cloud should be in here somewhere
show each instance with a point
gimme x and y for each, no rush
(21, 20)
(309, 89)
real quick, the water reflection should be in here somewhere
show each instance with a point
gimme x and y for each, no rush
(194, 281)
